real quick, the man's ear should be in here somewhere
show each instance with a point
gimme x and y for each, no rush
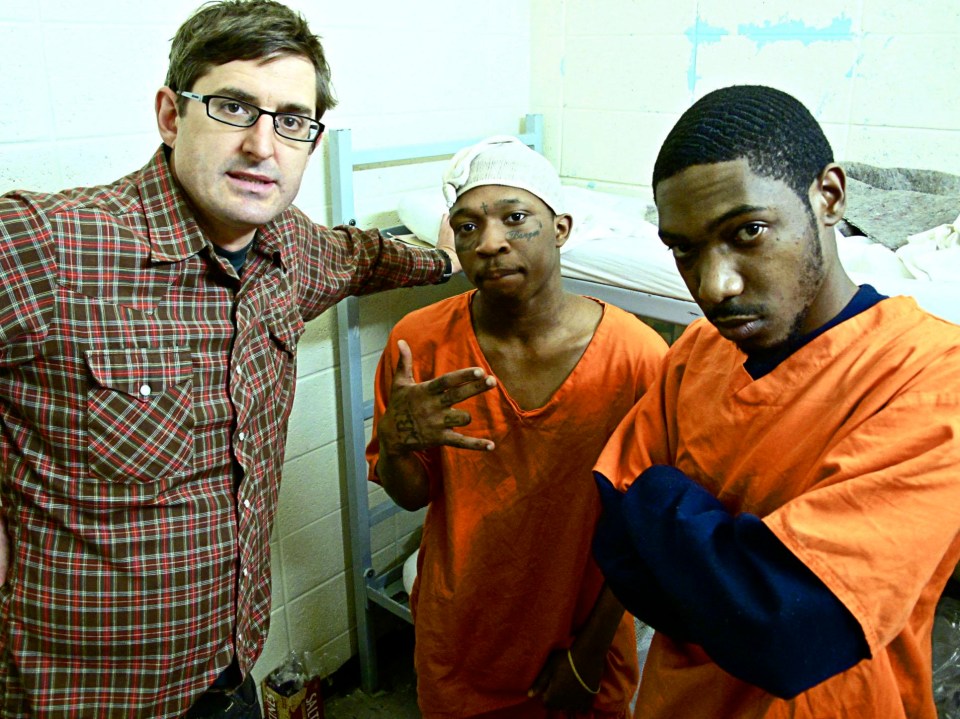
(829, 194)
(167, 116)
(562, 225)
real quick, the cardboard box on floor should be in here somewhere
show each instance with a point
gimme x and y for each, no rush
(305, 704)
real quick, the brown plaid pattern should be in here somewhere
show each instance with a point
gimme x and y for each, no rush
(125, 394)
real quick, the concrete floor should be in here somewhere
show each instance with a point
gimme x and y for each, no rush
(396, 697)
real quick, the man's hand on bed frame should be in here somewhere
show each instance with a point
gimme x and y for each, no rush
(446, 242)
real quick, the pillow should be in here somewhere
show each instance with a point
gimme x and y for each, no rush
(421, 211)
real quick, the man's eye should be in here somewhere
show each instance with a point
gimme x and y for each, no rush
(682, 252)
(292, 122)
(751, 231)
(465, 227)
(517, 216)
(230, 107)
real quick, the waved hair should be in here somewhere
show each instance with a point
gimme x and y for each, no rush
(228, 30)
(772, 130)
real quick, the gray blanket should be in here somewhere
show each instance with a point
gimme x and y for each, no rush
(890, 204)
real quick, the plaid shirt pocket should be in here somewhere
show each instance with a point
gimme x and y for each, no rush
(140, 416)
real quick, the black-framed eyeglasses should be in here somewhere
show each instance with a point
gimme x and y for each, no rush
(242, 114)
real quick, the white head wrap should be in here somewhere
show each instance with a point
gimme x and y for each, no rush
(502, 160)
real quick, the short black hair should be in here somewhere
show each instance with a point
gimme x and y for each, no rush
(772, 130)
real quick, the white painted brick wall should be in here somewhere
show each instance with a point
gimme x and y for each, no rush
(880, 75)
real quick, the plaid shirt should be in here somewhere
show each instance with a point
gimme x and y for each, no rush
(135, 367)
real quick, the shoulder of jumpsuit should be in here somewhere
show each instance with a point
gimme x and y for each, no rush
(933, 328)
(642, 437)
(702, 347)
(924, 348)
(436, 333)
(631, 332)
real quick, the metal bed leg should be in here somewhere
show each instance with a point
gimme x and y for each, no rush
(351, 392)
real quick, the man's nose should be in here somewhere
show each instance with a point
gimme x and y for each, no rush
(720, 278)
(260, 137)
(492, 241)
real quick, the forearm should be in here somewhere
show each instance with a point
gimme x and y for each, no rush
(414, 420)
(397, 264)
(594, 638)
(681, 562)
(405, 480)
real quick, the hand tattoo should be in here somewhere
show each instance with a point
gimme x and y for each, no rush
(407, 428)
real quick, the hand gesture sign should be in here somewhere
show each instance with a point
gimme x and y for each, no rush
(422, 414)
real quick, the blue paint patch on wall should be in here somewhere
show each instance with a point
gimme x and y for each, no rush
(840, 30)
(854, 69)
(700, 34)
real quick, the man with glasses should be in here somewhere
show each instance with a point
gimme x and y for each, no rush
(148, 334)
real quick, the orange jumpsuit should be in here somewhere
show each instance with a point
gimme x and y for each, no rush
(505, 572)
(850, 452)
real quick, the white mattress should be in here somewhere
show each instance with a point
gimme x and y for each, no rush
(611, 244)
(627, 262)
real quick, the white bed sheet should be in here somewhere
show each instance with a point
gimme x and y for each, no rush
(626, 262)
(611, 244)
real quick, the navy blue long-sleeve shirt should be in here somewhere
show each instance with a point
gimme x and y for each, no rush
(678, 560)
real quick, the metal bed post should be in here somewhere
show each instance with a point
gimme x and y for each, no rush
(351, 393)
(533, 131)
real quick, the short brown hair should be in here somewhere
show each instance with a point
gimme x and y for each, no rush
(226, 30)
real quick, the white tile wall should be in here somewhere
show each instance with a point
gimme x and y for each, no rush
(611, 77)
(877, 73)
(897, 18)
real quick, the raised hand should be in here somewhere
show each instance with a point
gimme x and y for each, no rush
(422, 414)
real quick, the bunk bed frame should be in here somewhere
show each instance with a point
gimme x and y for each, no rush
(374, 591)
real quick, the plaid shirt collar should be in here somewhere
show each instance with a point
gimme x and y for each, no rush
(172, 225)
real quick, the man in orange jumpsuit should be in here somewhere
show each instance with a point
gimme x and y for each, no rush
(511, 615)
(783, 505)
